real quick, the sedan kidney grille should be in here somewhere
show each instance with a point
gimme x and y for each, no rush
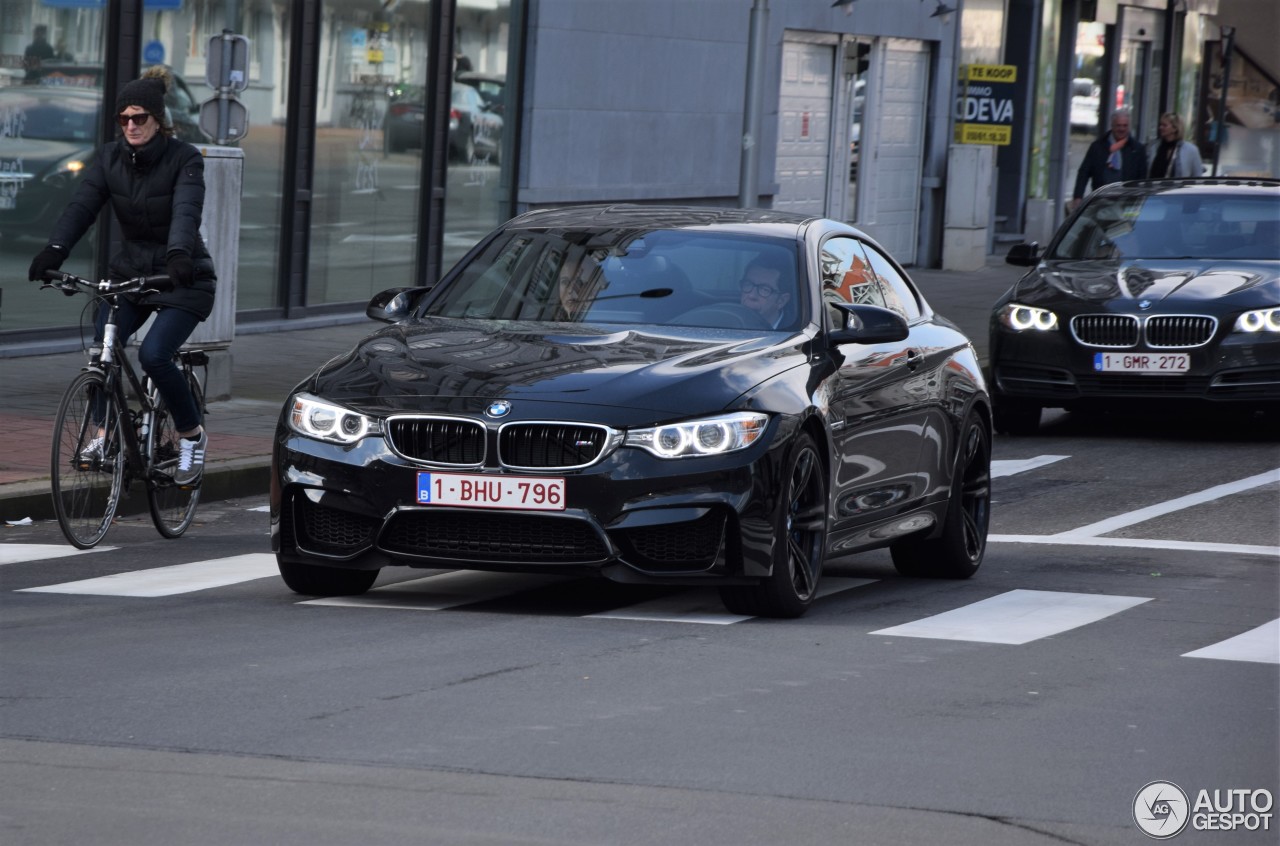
(1180, 330)
(551, 445)
(1105, 330)
(438, 440)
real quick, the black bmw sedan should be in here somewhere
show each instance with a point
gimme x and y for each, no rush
(1161, 291)
(688, 396)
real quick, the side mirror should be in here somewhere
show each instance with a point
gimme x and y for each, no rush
(394, 304)
(868, 324)
(1024, 255)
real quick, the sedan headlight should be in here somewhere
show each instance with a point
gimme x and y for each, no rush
(707, 436)
(1020, 318)
(324, 421)
(1259, 320)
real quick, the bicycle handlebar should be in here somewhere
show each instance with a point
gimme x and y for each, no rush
(69, 283)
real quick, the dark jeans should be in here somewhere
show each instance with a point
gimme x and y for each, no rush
(170, 330)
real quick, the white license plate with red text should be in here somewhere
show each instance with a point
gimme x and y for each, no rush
(476, 491)
(1107, 362)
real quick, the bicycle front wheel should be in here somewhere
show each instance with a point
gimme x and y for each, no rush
(87, 460)
(173, 506)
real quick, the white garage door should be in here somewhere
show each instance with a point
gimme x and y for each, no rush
(804, 127)
(893, 147)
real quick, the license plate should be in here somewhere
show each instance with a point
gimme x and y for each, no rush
(1141, 362)
(473, 491)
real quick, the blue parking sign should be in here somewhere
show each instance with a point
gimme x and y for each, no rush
(153, 53)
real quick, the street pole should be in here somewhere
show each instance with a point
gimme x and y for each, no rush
(749, 172)
(1220, 129)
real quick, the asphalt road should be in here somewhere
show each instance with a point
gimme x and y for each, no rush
(1064, 677)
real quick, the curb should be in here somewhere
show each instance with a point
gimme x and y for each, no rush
(237, 477)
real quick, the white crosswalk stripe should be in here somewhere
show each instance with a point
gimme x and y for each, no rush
(17, 553)
(176, 579)
(1261, 645)
(1016, 617)
(1009, 467)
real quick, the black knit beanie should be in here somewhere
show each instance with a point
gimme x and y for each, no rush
(147, 92)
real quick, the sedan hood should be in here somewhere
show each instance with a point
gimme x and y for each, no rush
(460, 366)
(1243, 283)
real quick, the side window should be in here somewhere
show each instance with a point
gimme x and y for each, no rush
(847, 277)
(896, 291)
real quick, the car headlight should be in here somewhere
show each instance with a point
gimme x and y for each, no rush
(1020, 318)
(707, 436)
(1259, 320)
(324, 421)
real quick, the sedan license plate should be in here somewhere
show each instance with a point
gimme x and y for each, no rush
(474, 491)
(1141, 362)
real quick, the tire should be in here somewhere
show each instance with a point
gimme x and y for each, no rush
(173, 507)
(316, 580)
(86, 494)
(1016, 416)
(800, 542)
(957, 552)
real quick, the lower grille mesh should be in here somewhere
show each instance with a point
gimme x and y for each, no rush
(485, 536)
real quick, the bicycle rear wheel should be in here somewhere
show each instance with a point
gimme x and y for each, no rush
(87, 483)
(173, 507)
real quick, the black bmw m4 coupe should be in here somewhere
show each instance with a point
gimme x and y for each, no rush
(669, 395)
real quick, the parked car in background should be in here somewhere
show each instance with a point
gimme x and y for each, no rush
(1152, 292)
(474, 130)
(51, 141)
(405, 117)
(491, 87)
(686, 396)
(1086, 99)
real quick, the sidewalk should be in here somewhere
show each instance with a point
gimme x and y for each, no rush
(265, 367)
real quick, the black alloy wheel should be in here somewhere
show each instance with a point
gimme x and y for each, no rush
(957, 551)
(800, 540)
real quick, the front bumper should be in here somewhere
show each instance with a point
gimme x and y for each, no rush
(1054, 370)
(631, 517)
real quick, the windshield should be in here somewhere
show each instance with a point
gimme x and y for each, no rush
(38, 118)
(669, 277)
(1191, 225)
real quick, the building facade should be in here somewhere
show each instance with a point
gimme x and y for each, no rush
(383, 138)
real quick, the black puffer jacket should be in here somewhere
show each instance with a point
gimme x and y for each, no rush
(157, 194)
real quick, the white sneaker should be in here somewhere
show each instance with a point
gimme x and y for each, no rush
(92, 452)
(191, 459)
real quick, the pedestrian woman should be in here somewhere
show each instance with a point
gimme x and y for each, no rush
(1171, 156)
(155, 185)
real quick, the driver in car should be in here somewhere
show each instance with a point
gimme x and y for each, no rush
(762, 290)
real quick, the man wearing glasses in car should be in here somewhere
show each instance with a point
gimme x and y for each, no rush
(762, 290)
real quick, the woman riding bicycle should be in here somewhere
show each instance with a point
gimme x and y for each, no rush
(155, 184)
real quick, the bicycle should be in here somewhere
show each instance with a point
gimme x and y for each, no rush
(139, 440)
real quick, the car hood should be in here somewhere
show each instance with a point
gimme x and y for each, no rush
(37, 156)
(1242, 283)
(626, 375)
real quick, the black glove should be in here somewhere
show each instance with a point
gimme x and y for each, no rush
(181, 269)
(50, 258)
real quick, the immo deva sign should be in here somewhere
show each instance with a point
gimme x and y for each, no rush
(984, 110)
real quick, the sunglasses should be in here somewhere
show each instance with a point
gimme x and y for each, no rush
(139, 119)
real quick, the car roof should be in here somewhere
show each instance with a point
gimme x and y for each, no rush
(1219, 185)
(631, 216)
(52, 92)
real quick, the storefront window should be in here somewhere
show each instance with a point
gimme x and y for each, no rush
(369, 144)
(50, 102)
(480, 116)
